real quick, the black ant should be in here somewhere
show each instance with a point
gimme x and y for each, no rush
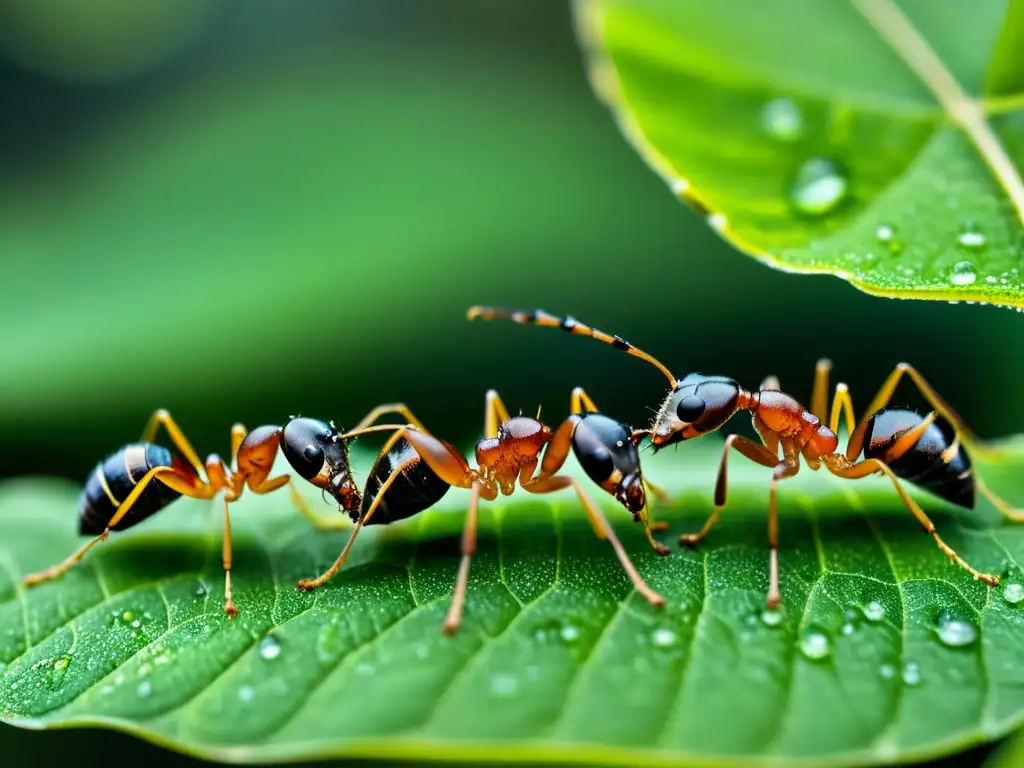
(924, 450)
(509, 453)
(142, 478)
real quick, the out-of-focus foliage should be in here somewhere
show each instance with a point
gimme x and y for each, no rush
(883, 651)
(809, 136)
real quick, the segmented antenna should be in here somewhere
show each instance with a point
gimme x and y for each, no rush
(569, 324)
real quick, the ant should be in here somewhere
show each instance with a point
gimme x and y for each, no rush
(142, 478)
(926, 451)
(509, 453)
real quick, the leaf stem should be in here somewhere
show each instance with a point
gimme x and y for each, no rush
(897, 30)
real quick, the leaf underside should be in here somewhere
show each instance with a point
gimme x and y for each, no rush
(733, 103)
(557, 658)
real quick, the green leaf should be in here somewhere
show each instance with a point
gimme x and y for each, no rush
(842, 138)
(557, 658)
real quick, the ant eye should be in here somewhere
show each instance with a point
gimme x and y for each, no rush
(302, 443)
(690, 409)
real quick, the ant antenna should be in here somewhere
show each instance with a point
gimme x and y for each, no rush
(569, 324)
(537, 417)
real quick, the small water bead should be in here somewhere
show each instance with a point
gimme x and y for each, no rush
(771, 617)
(874, 611)
(887, 671)
(971, 239)
(911, 673)
(61, 663)
(885, 233)
(664, 637)
(963, 273)
(782, 120)
(818, 187)
(504, 684)
(269, 648)
(144, 689)
(815, 645)
(847, 629)
(956, 633)
(246, 693)
(1013, 593)
(569, 633)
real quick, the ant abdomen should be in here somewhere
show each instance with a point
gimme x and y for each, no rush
(929, 463)
(417, 488)
(113, 480)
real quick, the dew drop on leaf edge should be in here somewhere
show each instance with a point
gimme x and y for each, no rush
(1013, 593)
(819, 186)
(269, 648)
(664, 637)
(874, 611)
(771, 617)
(963, 273)
(911, 673)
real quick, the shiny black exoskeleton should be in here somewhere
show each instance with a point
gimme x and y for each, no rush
(607, 453)
(927, 464)
(416, 489)
(316, 454)
(112, 481)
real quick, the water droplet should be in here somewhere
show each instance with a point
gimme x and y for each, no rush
(874, 611)
(200, 590)
(145, 688)
(136, 623)
(782, 120)
(127, 616)
(815, 645)
(847, 629)
(145, 669)
(991, 279)
(963, 273)
(664, 637)
(61, 663)
(971, 238)
(364, 669)
(569, 633)
(718, 222)
(246, 693)
(1013, 593)
(269, 648)
(887, 671)
(504, 684)
(885, 233)
(911, 673)
(818, 187)
(956, 632)
(771, 617)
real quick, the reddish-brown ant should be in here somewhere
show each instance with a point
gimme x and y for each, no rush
(142, 478)
(509, 453)
(924, 450)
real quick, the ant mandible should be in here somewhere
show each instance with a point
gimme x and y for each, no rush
(142, 478)
(923, 450)
(509, 453)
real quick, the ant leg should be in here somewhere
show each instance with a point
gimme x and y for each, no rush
(1017, 515)
(819, 392)
(842, 405)
(400, 408)
(454, 617)
(580, 402)
(495, 413)
(601, 526)
(311, 584)
(871, 466)
(163, 418)
(753, 451)
(441, 457)
(169, 476)
(789, 467)
(229, 604)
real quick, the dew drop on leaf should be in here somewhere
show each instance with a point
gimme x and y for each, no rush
(269, 648)
(885, 233)
(815, 645)
(874, 611)
(1013, 593)
(956, 632)
(782, 120)
(818, 187)
(971, 238)
(144, 689)
(963, 273)
(569, 633)
(246, 693)
(771, 617)
(847, 629)
(504, 684)
(887, 671)
(911, 673)
(664, 637)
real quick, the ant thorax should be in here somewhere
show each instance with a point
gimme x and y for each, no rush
(517, 445)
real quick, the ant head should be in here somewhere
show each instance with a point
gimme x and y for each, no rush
(310, 447)
(607, 453)
(695, 406)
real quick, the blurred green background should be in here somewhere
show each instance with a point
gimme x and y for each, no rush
(239, 211)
